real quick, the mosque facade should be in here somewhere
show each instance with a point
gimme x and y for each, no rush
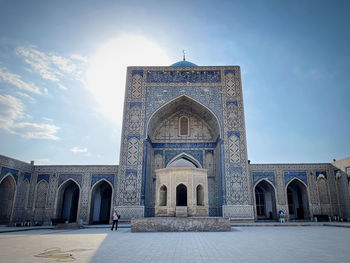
(183, 153)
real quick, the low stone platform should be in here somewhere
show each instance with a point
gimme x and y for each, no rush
(181, 224)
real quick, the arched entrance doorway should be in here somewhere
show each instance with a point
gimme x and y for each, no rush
(181, 195)
(100, 205)
(265, 201)
(68, 201)
(7, 195)
(298, 206)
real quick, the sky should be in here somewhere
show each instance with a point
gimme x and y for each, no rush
(63, 66)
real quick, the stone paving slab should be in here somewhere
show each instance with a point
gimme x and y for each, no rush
(242, 244)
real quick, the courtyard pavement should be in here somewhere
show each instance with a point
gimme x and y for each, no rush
(242, 244)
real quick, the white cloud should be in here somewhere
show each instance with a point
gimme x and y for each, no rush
(15, 80)
(51, 66)
(26, 96)
(79, 58)
(34, 130)
(12, 111)
(79, 150)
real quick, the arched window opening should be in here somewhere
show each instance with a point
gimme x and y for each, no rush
(200, 195)
(163, 196)
(184, 124)
(260, 201)
(181, 195)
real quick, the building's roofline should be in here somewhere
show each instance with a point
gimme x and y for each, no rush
(4, 156)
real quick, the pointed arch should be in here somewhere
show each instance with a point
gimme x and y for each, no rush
(163, 195)
(200, 195)
(297, 194)
(8, 189)
(187, 157)
(68, 200)
(100, 202)
(183, 100)
(265, 199)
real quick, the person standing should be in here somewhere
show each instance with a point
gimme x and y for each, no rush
(115, 218)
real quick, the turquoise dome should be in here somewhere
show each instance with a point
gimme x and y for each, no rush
(183, 63)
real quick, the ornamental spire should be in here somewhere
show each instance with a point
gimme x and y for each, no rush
(184, 55)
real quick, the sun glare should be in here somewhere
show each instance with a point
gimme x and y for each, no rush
(107, 72)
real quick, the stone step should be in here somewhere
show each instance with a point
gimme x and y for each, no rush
(181, 211)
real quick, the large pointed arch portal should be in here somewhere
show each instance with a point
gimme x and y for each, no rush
(182, 133)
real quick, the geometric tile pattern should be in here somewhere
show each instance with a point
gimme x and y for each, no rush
(97, 177)
(133, 150)
(288, 176)
(64, 177)
(5, 171)
(257, 176)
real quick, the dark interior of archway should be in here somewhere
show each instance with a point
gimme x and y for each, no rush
(7, 192)
(70, 202)
(181, 195)
(103, 193)
(295, 193)
(265, 201)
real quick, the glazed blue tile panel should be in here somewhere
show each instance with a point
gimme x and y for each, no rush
(134, 136)
(230, 133)
(209, 151)
(27, 176)
(204, 145)
(323, 172)
(288, 176)
(260, 175)
(156, 97)
(158, 152)
(5, 171)
(135, 104)
(137, 72)
(231, 102)
(97, 177)
(184, 76)
(230, 71)
(197, 154)
(45, 177)
(64, 177)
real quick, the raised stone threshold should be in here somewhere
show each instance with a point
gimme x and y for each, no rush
(181, 224)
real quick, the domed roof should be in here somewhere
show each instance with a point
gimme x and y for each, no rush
(183, 63)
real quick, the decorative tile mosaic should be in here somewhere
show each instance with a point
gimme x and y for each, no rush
(5, 171)
(75, 177)
(45, 177)
(27, 176)
(288, 176)
(263, 175)
(184, 76)
(97, 177)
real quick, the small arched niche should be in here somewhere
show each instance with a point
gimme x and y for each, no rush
(163, 196)
(200, 195)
